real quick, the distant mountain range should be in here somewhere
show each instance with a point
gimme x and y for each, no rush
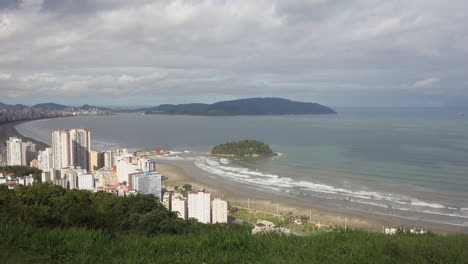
(250, 106)
(51, 106)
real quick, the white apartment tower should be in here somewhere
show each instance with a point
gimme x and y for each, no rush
(20, 153)
(220, 211)
(199, 206)
(45, 160)
(71, 148)
(14, 151)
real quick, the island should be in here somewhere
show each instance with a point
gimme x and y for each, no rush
(248, 106)
(243, 148)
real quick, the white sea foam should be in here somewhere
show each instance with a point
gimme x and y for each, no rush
(272, 181)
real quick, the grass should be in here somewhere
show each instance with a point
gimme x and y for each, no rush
(252, 216)
(22, 244)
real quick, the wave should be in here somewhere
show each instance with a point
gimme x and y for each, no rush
(269, 181)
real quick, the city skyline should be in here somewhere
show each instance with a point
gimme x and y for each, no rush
(146, 53)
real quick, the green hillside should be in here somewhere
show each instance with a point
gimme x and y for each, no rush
(48, 224)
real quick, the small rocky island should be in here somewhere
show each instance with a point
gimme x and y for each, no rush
(243, 148)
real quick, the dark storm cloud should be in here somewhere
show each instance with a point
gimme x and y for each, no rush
(181, 51)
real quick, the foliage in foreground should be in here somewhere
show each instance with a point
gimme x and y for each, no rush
(79, 245)
(46, 205)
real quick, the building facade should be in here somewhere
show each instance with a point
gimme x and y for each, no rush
(220, 211)
(14, 151)
(179, 206)
(199, 206)
(71, 148)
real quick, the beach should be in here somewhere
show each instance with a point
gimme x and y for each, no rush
(8, 130)
(182, 171)
(177, 176)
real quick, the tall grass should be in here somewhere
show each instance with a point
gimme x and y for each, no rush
(21, 244)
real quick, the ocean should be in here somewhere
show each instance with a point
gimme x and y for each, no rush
(409, 164)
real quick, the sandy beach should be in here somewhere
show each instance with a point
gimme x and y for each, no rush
(176, 176)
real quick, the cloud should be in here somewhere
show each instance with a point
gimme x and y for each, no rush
(426, 83)
(181, 51)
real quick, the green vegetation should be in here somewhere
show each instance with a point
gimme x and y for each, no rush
(22, 171)
(43, 223)
(21, 244)
(46, 205)
(243, 148)
(284, 221)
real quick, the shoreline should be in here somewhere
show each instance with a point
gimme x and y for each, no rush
(177, 175)
(8, 130)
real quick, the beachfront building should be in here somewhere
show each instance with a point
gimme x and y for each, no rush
(125, 166)
(71, 148)
(148, 183)
(14, 151)
(179, 206)
(220, 211)
(199, 206)
(146, 164)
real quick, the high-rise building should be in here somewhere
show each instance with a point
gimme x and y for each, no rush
(14, 151)
(71, 148)
(220, 211)
(28, 152)
(45, 160)
(80, 148)
(149, 183)
(199, 206)
(179, 205)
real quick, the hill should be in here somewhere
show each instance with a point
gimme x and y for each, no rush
(243, 148)
(51, 106)
(249, 106)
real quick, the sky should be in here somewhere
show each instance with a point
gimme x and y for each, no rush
(142, 52)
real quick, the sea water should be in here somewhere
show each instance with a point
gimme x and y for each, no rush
(405, 163)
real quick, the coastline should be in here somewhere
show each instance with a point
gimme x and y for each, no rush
(8, 130)
(177, 174)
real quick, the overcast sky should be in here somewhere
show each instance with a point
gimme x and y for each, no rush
(141, 52)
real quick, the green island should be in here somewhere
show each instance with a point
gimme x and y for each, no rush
(243, 148)
(44, 223)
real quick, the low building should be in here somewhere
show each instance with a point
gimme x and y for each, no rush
(179, 206)
(86, 181)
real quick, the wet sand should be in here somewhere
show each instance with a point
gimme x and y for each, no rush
(176, 176)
